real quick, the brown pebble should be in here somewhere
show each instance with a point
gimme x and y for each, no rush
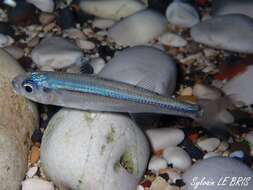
(46, 18)
(35, 153)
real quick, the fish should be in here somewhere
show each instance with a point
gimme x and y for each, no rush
(94, 93)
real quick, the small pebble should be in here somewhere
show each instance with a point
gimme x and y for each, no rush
(155, 164)
(182, 14)
(85, 44)
(5, 40)
(178, 157)
(35, 154)
(161, 184)
(98, 64)
(205, 92)
(173, 40)
(209, 144)
(164, 137)
(46, 18)
(32, 172)
(186, 91)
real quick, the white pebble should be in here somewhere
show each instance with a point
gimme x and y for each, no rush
(32, 171)
(111, 9)
(209, 144)
(182, 14)
(43, 5)
(155, 164)
(139, 28)
(165, 137)
(55, 53)
(173, 40)
(97, 64)
(178, 157)
(205, 92)
(102, 23)
(36, 184)
(139, 187)
(5, 40)
(223, 146)
(85, 44)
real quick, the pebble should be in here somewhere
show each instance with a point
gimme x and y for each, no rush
(74, 33)
(139, 28)
(36, 183)
(177, 157)
(223, 146)
(240, 88)
(174, 176)
(33, 42)
(209, 144)
(85, 44)
(212, 32)
(119, 149)
(102, 23)
(155, 164)
(55, 53)
(111, 9)
(43, 5)
(182, 14)
(173, 40)
(160, 184)
(237, 154)
(186, 91)
(14, 51)
(46, 18)
(206, 92)
(211, 154)
(139, 187)
(97, 64)
(132, 66)
(225, 7)
(5, 40)
(35, 154)
(32, 171)
(216, 168)
(249, 138)
(164, 137)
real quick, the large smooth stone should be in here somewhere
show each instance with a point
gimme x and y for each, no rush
(139, 28)
(143, 66)
(112, 9)
(224, 7)
(102, 151)
(18, 119)
(240, 88)
(214, 170)
(43, 5)
(164, 137)
(182, 14)
(55, 53)
(229, 32)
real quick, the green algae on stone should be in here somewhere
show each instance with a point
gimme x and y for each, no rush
(110, 138)
(126, 161)
(88, 118)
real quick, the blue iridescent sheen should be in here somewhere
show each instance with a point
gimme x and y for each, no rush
(54, 83)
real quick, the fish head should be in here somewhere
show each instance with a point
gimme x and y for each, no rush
(33, 86)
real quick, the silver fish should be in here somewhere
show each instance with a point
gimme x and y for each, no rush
(93, 93)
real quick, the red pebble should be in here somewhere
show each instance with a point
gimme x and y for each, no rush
(146, 183)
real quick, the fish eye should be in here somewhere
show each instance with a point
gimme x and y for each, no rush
(28, 87)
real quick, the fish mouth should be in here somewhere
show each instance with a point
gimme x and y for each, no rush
(16, 83)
